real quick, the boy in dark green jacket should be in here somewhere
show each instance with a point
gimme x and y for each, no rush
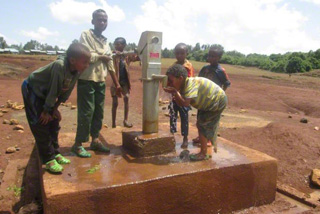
(43, 91)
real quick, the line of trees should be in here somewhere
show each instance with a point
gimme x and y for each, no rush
(291, 62)
(31, 45)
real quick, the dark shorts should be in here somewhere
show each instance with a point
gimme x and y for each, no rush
(125, 90)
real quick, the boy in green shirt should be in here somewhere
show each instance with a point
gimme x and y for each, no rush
(43, 91)
(204, 95)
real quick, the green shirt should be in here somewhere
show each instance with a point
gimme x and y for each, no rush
(53, 82)
(204, 94)
(97, 71)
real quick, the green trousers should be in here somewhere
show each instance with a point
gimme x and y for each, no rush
(90, 100)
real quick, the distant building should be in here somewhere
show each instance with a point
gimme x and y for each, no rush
(26, 52)
(61, 52)
(35, 52)
(11, 51)
(51, 52)
(1, 51)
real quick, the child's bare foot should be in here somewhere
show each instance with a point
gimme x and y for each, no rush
(209, 144)
(184, 144)
(196, 140)
(127, 124)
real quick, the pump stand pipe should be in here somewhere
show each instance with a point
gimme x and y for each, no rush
(151, 102)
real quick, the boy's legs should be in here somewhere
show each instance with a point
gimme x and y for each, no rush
(85, 102)
(126, 92)
(97, 118)
(44, 143)
(197, 139)
(173, 112)
(114, 110)
(183, 111)
(54, 133)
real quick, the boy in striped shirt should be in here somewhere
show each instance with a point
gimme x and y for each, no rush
(204, 95)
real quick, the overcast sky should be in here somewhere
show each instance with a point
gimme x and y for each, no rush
(248, 26)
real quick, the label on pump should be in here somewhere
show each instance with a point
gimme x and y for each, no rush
(154, 55)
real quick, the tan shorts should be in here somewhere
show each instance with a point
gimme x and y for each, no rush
(125, 91)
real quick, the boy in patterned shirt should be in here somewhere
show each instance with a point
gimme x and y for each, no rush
(204, 95)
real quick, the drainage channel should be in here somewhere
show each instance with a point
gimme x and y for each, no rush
(296, 200)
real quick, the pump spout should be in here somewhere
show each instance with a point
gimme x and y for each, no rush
(162, 78)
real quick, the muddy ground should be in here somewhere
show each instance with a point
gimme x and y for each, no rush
(264, 113)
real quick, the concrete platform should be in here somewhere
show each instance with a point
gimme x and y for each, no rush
(235, 178)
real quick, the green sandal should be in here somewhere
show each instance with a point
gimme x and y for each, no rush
(53, 166)
(198, 157)
(80, 151)
(62, 160)
(98, 146)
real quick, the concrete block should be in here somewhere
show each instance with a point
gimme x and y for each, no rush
(143, 145)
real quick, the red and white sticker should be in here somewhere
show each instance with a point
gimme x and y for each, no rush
(154, 55)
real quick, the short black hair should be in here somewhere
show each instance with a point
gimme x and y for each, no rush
(177, 71)
(96, 12)
(217, 49)
(76, 50)
(121, 40)
(181, 46)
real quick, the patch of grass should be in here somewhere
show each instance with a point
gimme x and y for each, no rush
(314, 73)
(270, 77)
(16, 190)
(94, 169)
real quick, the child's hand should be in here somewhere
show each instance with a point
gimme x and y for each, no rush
(45, 117)
(119, 91)
(170, 90)
(105, 58)
(57, 115)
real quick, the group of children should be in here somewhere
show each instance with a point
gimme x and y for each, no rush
(87, 63)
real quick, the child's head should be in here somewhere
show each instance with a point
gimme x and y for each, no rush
(214, 55)
(119, 44)
(99, 20)
(181, 52)
(79, 56)
(176, 76)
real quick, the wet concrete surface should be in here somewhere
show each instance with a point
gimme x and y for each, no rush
(234, 178)
(250, 173)
(119, 168)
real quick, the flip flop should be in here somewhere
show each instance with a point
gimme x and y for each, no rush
(98, 146)
(62, 160)
(53, 166)
(197, 157)
(80, 151)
